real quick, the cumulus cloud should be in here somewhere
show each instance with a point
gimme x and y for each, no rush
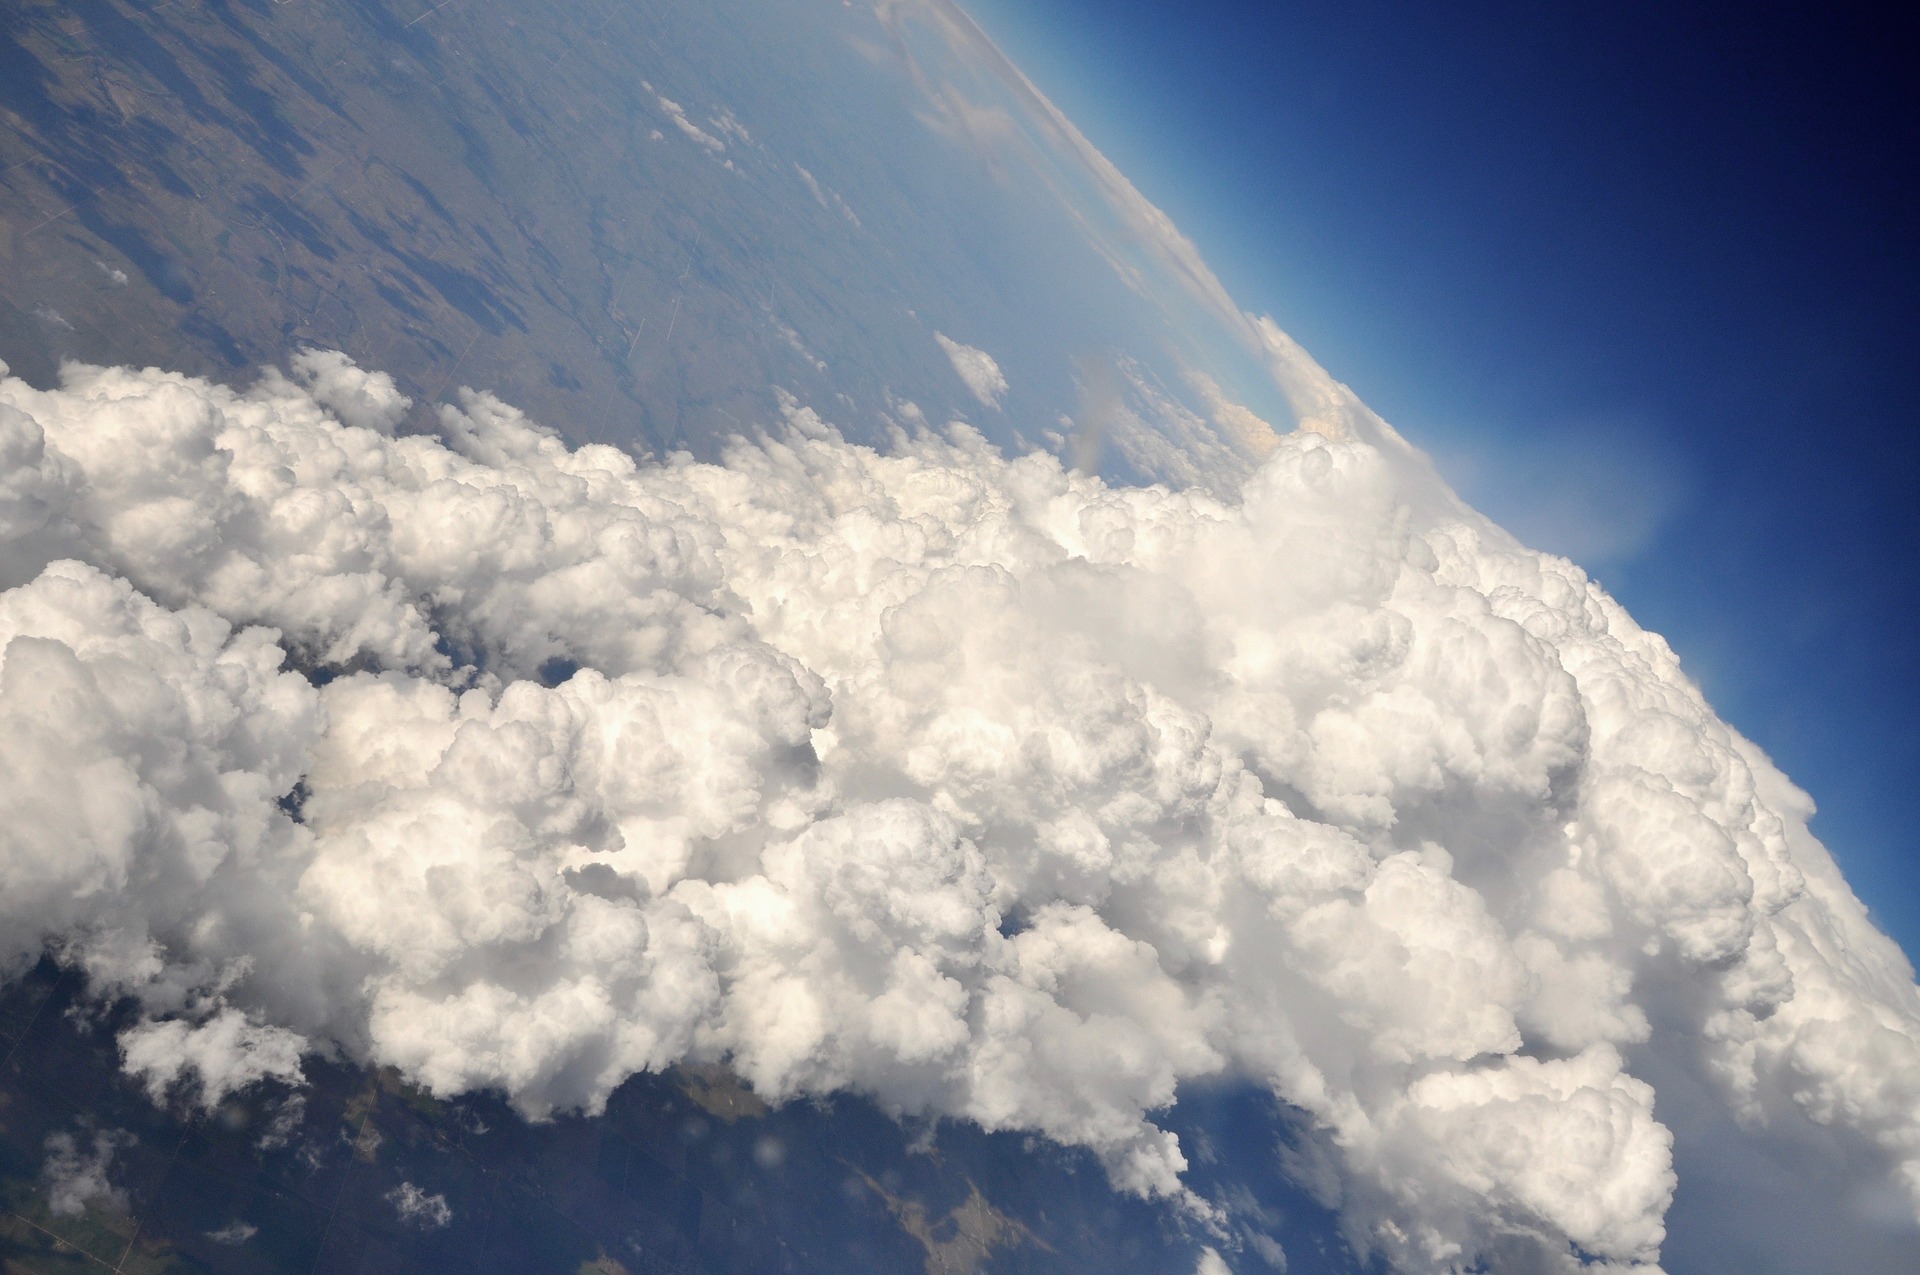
(222, 1055)
(678, 115)
(416, 1208)
(234, 1233)
(77, 1177)
(976, 369)
(369, 400)
(965, 782)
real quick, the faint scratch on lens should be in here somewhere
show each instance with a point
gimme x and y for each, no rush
(59, 1245)
(455, 367)
(45, 221)
(430, 12)
(311, 180)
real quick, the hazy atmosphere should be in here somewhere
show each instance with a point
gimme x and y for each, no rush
(639, 637)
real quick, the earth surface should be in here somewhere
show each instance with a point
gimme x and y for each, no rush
(655, 224)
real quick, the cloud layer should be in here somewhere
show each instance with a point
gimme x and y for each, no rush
(968, 783)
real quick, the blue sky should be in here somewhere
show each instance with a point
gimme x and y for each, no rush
(1645, 278)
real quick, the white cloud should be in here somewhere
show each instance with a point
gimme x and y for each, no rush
(365, 399)
(725, 122)
(234, 1233)
(792, 338)
(75, 1178)
(417, 1208)
(678, 115)
(968, 783)
(827, 199)
(1124, 407)
(223, 1055)
(976, 368)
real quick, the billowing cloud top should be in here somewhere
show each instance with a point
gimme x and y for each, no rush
(976, 368)
(968, 783)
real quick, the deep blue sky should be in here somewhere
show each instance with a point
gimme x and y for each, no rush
(1645, 277)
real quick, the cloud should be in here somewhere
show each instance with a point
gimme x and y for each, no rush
(678, 115)
(417, 1208)
(977, 369)
(965, 782)
(77, 1178)
(368, 400)
(224, 1054)
(827, 199)
(234, 1233)
(726, 123)
(1124, 406)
